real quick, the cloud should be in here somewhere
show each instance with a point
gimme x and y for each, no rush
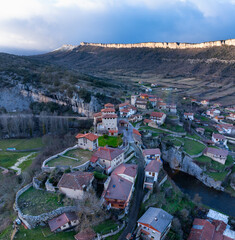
(45, 25)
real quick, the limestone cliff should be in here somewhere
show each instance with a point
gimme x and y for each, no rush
(172, 45)
(177, 160)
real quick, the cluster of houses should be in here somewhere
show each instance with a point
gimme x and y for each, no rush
(214, 227)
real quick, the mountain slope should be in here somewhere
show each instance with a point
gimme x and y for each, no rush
(203, 72)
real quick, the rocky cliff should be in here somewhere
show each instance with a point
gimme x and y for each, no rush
(179, 161)
(172, 45)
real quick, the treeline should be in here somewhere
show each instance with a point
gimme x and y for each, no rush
(26, 125)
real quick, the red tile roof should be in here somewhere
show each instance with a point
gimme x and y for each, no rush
(113, 131)
(90, 136)
(106, 153)
(127, 169)
(110, 116)
(153, 166)
(124, 104)
(99, 114)
(157, 114)
(86, 234)
(135, 131)
(119, 188)
(153, 151)
(123, 121)
(61, 220)
(108, 110)
(75, 180)
(188, 114)
(109, 105)
(147, 121)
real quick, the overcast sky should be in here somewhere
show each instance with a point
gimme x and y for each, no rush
(33, 26)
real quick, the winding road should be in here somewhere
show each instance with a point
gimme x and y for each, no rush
(139, 192)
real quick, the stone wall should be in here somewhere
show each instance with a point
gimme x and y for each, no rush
(32, 221)
(172, 45)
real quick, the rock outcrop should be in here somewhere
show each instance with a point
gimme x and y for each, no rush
(172, 45)
(179, 161)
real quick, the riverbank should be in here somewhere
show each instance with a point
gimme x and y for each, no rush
(210, 197)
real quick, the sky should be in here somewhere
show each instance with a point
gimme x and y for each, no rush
(37, 26)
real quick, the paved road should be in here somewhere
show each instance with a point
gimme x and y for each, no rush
(138, 196)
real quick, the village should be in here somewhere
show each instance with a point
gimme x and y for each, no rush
(112, 183)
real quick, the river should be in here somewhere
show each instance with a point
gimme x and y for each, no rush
(188, 184)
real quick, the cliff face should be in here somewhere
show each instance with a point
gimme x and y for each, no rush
(172, 45)
(177, 160)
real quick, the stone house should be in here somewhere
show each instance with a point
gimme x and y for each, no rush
(141, 103)
(218, 155)
(137, 137)
(151, 154)
(200, 130)
(161, 106)
(213, 112)
(155, 223)
(158, 117)
(87, 141)
(205, 103)
(218, 119)
(151, 173)
(108, 105)
(63, 222)
(73, 185)
(108, 158)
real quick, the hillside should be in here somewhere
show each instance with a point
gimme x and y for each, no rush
(203, 72)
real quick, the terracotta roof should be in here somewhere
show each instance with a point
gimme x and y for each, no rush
(118, 188)
(218, 136)
(217, 152)
(152, 151)
(153, 100)
(135, 131)
(162, 104)
(157, 114)
(90, 136)
(75, 180)
(127, 169)
(188, 114)
(108, 110)
(110, 116)
(125, 110)
(113, 131)
(124, 104)
(202, 229)
(153, 166)
(147, 121)
(86, 234)
(61, 220)
(99, 114)
(106, 153)
(109, 105)
(144, 94)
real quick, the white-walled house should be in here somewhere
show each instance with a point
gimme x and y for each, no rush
(151, 155)
(108, 158)
(158, 117)
(213, 112)
(189, 116)
(151, 173)
(74, 184)
(87, 141)
(155, 223)
(63, 222)
(219, 139)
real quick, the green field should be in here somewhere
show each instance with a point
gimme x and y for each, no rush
(35, 202)
(105, 227)
(63, 161)
(174, 128)
(203, 159)
(8, 159)
(21, 144)
(192, 147)
(217, 176)
(26, 164)
(110, 141)
(40, 233)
